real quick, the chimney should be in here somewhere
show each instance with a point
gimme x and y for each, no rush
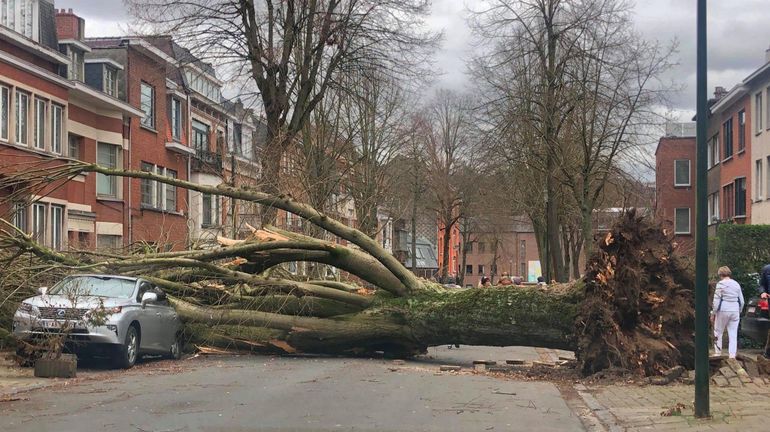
(719, 92)
(69, 25)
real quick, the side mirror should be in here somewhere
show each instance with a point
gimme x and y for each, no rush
(148, 297)
(42, 290)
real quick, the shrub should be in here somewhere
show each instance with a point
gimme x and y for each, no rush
(745, 249)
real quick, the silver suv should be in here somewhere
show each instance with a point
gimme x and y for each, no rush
(136, 317)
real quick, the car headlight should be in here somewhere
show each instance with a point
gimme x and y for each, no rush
(29, 309)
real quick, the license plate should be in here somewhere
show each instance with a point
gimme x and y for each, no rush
(752, 309)
(60, 324)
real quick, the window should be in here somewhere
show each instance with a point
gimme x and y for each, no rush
(469, 269)
(713, 151)
(758, 180)
(107, 156)
(5, 98)
(147, 186)
(76, 64)
(40, 123)
(57, 227)
(73, 146)
(210, 211)
(741, 131)
(713, 208)
(238, 138)
(176, 118)
(682, 172)
(758, 117)
(170, 192)
(155, 194)
(38, 222)
(728, 194)
(522, 269)
(20, 216)
(522, 250)
(22, 111)
(682, 221)
(740, 197)
(148, 105)
(108, 241)
(482, 247)
(110, 80)
(481, 269)
(767, 178)
(56, 128)
(20, 16)
(727, 133)
(200, 135)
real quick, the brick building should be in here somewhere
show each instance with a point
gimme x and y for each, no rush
(675, 188)
(48, 115)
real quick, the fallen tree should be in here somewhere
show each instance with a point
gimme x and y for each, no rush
(633, 310)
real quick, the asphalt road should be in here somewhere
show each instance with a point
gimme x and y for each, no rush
(253, 393)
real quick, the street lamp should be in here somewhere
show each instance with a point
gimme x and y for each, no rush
(701, 223)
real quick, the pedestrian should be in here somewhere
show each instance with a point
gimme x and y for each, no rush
(484, 282)
(764, 289)
(505, 280)
(541, 281)
(726, 311)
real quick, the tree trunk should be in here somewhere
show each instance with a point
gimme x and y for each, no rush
(497, 317)
(446, 237)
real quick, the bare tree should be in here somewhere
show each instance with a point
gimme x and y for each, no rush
(565, 83)
(294, 51)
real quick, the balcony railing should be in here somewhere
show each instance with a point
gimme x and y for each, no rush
(207, 161)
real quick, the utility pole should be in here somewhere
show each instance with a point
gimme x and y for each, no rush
(701, 222)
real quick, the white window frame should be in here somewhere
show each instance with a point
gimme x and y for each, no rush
(214, 210)
(110, 80)
(713, 151)
(159, 192)
(5, 112)
(689, 220)
(22, 121)
(39, 222)
(113, 180)
(713, 208)
(176, 118)
(40, 122)
(689, 173)
(149, 111)
(758, 114)
(758, 184)
(57, 227)
(57, 128)
(20, 216)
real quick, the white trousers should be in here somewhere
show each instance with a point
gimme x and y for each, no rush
(730, 321)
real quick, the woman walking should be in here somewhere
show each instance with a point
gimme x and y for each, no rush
(726, 312)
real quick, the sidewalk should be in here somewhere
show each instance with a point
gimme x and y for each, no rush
(14, 379)
(639, 408)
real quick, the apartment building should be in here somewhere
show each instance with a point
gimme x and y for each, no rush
(49, 115)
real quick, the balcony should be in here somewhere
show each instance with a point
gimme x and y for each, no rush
(207, 162)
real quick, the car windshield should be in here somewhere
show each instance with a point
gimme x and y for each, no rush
(97, 286)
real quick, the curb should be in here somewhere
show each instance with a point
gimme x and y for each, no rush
(598, 410)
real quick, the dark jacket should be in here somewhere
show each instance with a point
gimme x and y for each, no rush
(764, 280)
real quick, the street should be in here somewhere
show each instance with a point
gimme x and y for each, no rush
(246, 393)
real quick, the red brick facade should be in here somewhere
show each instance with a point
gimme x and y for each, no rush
(672, 195)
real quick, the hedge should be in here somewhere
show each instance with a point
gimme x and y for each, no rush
(745, 249)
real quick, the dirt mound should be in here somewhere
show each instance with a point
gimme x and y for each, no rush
(638, 312)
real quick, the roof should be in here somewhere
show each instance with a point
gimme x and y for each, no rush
(426, 253)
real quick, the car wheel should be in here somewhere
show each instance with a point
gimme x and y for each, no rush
(128, 353)
(176, 348)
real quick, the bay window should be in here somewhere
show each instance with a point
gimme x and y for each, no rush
(147, 104)
(176, 118)
(5, 100)
(210, 211)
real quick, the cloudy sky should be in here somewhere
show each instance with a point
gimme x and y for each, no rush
(738, 37)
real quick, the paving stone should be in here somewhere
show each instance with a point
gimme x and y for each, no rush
(720, 381)
(727, 372)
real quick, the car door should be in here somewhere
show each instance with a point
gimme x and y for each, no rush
(170, 322)
(149, 320)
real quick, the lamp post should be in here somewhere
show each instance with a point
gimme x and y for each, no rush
(701, 222)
